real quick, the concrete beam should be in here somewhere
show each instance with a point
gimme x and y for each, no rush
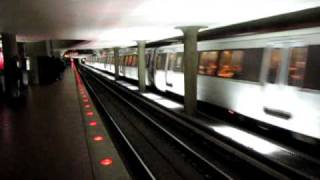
(141, 65)
(190, 62)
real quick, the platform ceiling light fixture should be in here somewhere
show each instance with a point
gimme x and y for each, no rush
(154, 20)
(212, 13)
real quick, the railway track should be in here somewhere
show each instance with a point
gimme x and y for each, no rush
(168, 147)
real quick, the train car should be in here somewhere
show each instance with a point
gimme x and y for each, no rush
(128, 66)
(128, 63)
(270, 77)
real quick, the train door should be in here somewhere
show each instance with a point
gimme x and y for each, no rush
(147, 61)
(152, 66)
(104, 62)
(159, 74)
(277, 97)
(169, 72)
(174, 73)
(121, 64)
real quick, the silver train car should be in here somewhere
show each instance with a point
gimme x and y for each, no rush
(271, 77)
(128, 63)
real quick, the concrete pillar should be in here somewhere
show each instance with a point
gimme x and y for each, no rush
(10, 47)
(141, 65)
(116, 62)
(21, 50)
(49, 49)
(190, 62)
(23, 61)
(10, 50)
(34, 50)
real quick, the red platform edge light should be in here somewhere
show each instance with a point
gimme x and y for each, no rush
(92, 123)
(85, 100)
(98, 138)
(90, 113)
(106, 162)
(87, 105)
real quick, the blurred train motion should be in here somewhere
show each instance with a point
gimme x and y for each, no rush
(271, 77)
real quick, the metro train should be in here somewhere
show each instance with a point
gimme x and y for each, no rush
(270, 77)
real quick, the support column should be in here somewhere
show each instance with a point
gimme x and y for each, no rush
(10, 47)
(190, 62)
(23, 60)
(49, 48)
(116, 62)
(10, 54)
(141, 65)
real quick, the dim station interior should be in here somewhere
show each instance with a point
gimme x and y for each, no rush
(159, 89)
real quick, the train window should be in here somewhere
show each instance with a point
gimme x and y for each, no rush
(175, 62)
(121, 60)
(297, 66)
(112, 60)
(171, 60)
(129, 60)
(230, 64)
(312, 73)
(147, 58)
(208, 63)
(178, 65)
(161, 61)
(126, 60)
(251, 64)
(134, 60)
(274, 66)
(107, 60)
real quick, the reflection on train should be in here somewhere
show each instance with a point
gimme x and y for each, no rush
(271, 77)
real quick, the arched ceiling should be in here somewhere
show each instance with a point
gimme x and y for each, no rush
(110, 23)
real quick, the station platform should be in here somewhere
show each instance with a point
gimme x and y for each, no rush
(47, 137)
